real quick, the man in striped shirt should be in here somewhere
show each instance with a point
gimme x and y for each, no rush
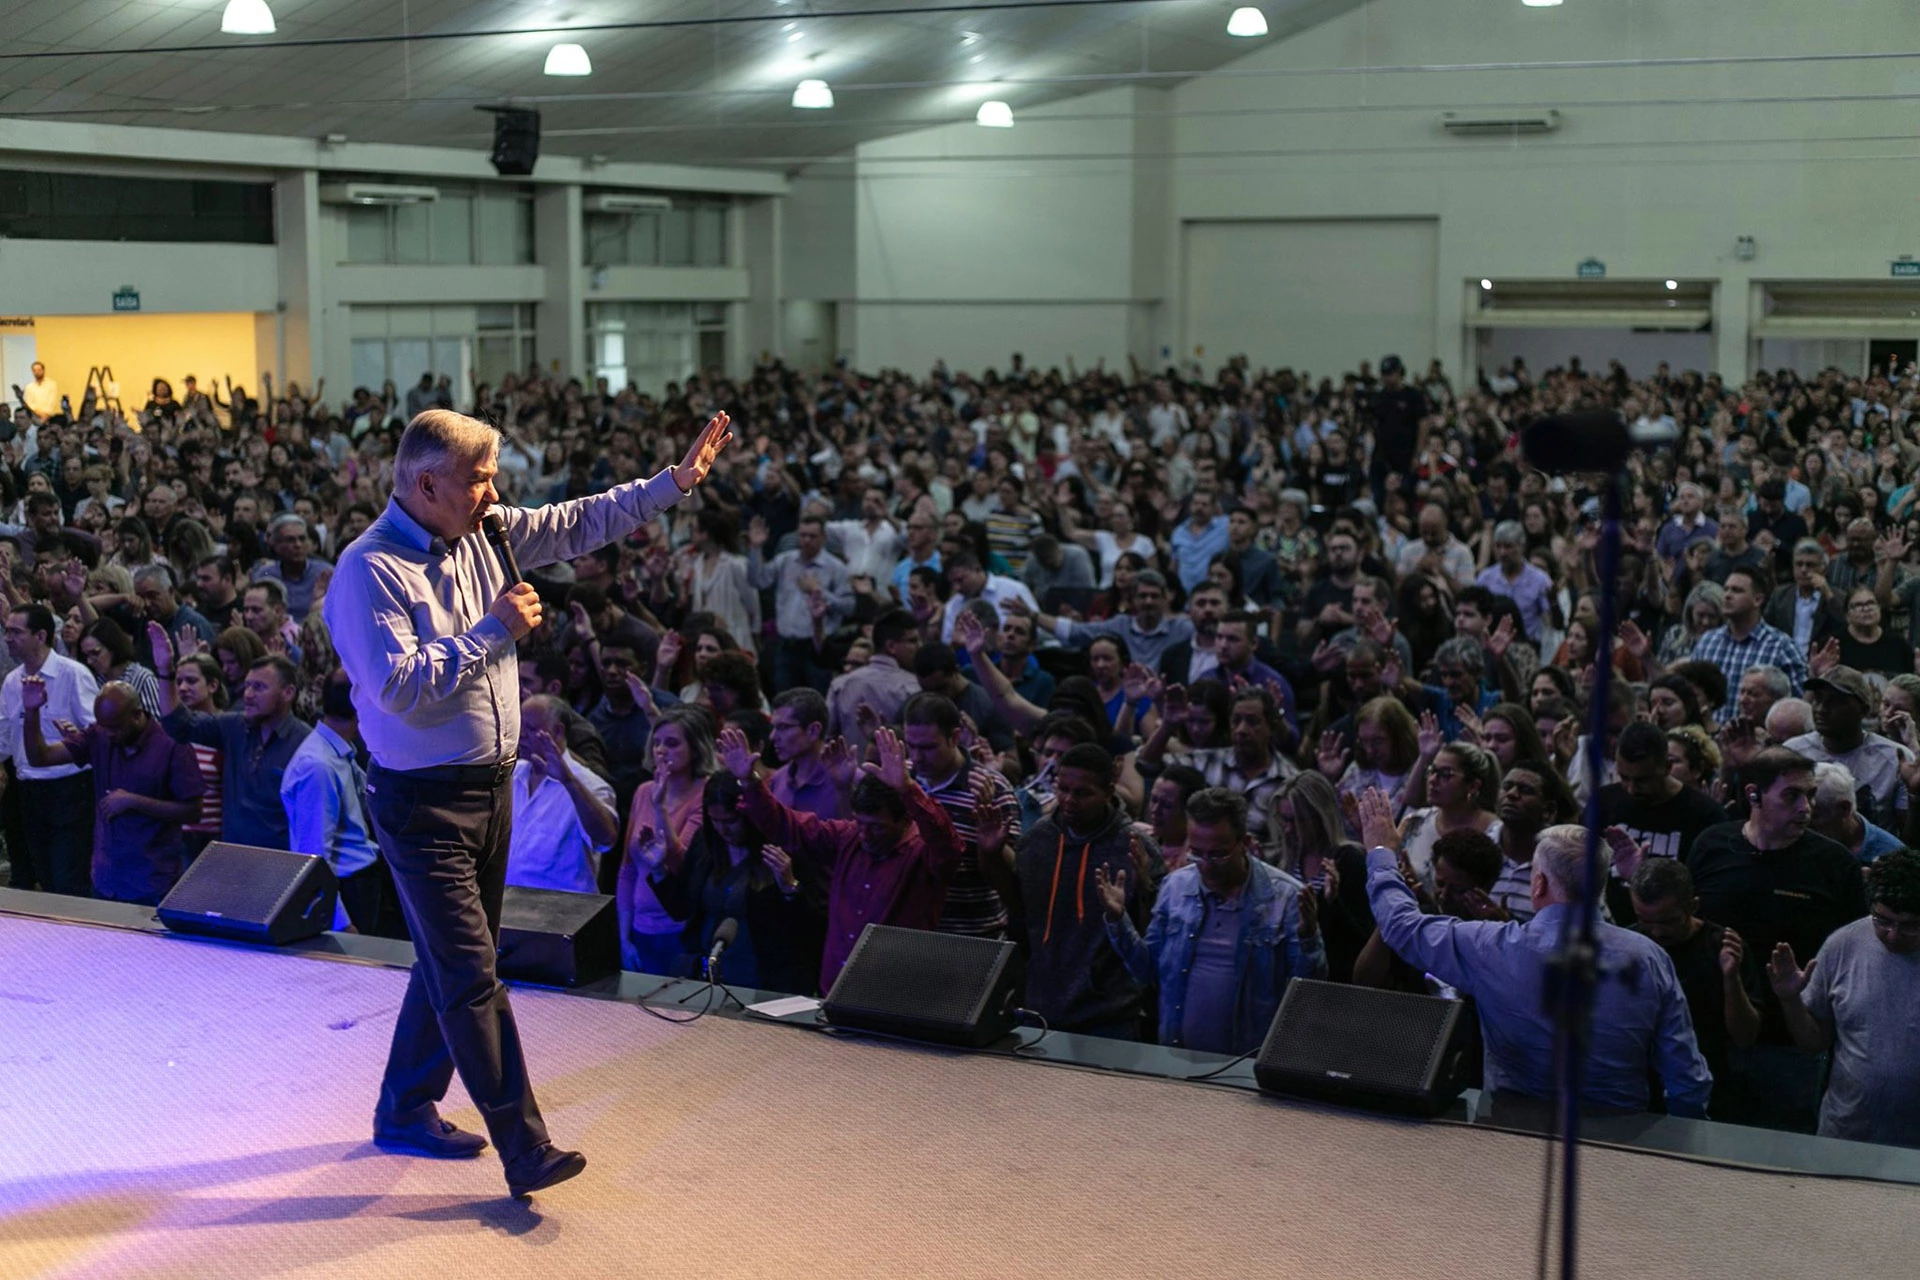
(946, 774)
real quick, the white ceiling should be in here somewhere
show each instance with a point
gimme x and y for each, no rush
(713, 93)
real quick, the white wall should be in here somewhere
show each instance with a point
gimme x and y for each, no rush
(1082, 205)
(1651, 190)
(973, 243)
(75, 277)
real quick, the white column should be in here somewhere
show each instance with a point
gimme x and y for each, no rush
(756, 322)
(298, 351)
(560, 319)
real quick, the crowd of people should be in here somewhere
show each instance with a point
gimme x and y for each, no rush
(1190, 684)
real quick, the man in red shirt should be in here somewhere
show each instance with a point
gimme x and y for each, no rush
(890, 863)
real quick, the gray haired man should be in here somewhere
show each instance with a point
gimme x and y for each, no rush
(426, 619)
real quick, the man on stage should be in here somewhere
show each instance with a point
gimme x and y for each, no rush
(425, 619)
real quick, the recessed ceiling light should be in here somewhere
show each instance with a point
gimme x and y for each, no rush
(1485, 283)
(247, 18)
(1541, 4)
(994, 115)
(812, 95)
(568, 60)
(795, 35)
(1247, 21)
(1672, 285)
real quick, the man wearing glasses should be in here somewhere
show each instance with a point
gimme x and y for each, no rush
(1855, 1000)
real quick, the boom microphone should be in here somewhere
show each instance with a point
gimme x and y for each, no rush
(496, 532)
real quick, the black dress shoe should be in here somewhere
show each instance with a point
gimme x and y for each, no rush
(541, 1168)
(435, 1138)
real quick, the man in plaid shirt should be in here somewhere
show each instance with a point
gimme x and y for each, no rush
(1745, 642)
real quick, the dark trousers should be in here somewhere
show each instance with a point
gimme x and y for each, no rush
(446, 844)
(795, 665)
(372, 903)
(20, 873)
(56, 830)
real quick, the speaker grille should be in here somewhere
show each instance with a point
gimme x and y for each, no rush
(934, 977)
(1388, 1049)
(238, 882)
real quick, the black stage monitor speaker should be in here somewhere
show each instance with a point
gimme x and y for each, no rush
(252, 895)
(927, 986)
(516, 140)
(557, 939)
(1383, 1050)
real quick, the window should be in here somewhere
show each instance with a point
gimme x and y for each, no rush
(91, 206)
(693, 233)
(488, 227)
(653, 343)
(466, 345)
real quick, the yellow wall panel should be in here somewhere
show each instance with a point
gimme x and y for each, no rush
(140, 348)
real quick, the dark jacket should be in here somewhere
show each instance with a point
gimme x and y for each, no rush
(1074, 979)
(786, 933)
(1831, 617)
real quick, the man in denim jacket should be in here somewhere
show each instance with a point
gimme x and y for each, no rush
(1227, 933)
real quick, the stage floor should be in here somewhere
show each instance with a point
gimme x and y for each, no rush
(173, 1108)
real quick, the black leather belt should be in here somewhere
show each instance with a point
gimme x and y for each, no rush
(458, 775)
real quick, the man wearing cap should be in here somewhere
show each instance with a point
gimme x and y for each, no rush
(1397, 411)
(1841, 703)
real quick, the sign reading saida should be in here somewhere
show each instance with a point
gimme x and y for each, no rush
(126, 298)
(1592, 269)
(1904, 268)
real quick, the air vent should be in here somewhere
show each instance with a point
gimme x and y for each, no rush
(614, 202)
(1474, 124)
(376, 193)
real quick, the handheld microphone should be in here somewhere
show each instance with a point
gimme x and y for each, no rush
(722, 939)
(495, 530)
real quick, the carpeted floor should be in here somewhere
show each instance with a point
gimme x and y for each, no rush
(177, 1109)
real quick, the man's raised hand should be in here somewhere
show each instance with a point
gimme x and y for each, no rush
(33, 693)
(160, 647)
(1112, 891)
(702, 453)
(890, 759)
(735, 753)
(1376, 820)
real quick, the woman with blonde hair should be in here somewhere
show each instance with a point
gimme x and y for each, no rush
(661, 823)
(1310, 843)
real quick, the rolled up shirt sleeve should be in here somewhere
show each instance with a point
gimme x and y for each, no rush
(563, 530)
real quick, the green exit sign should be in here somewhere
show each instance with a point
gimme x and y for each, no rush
(126, 299)
(1906, 268)
(1592, 269)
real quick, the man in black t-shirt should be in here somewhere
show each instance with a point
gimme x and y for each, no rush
(1396, 410)
(1771, 880)
(1717, 974)
(1652, 804)
(1655, 808)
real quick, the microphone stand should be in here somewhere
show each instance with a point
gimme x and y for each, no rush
(1572, 972)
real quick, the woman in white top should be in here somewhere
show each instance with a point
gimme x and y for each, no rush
(1461, 784)
(1110, 543)
(713, 575)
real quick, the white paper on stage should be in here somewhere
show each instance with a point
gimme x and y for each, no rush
(785, 1007)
